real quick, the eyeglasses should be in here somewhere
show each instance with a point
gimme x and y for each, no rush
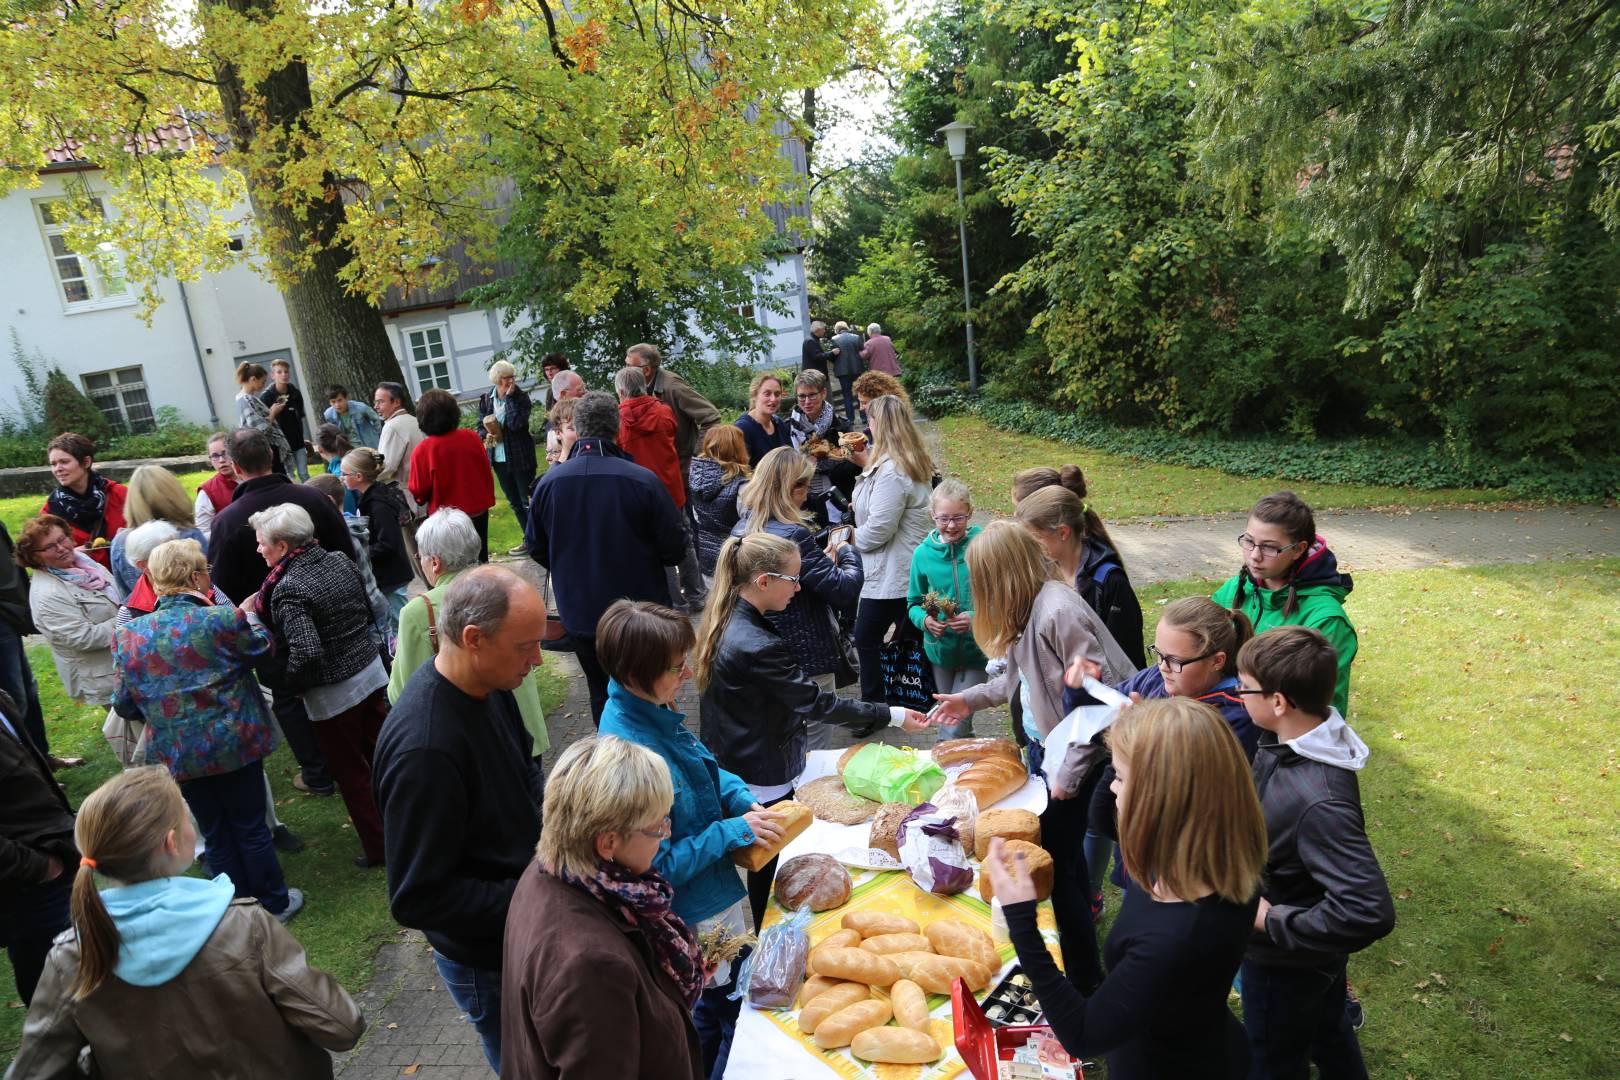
(808, 397)
(63, 542)
(950, 519)
(1174, 664)
(783, 577)
(1243, 691)
(679, 667)
(218, 455)
(1268, 551)
(661, 831)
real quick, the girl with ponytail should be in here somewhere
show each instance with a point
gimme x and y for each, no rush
(151, 946)
(756, 703)
(1290, 577)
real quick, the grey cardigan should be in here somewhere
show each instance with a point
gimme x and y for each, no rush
(1061, 628)
(891, 519)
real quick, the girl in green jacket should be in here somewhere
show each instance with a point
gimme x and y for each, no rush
(940, 599)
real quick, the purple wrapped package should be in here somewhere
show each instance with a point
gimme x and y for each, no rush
(931, 851)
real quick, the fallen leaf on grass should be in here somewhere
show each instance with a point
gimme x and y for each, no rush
(1515, 916)
(1404, 894)
(1566, 1036)
(392, 1027)
(1495, 945)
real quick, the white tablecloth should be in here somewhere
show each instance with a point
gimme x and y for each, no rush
(761, 1050)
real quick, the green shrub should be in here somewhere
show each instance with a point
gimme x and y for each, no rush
(1398, 460)
(180, 440)
(68, 409)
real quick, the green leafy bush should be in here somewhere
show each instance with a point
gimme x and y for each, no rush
(1392, 459)
(178, 440)
(68, 409)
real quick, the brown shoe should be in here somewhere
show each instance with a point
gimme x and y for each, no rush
(60, 763)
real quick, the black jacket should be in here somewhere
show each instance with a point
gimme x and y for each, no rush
(1327, 893)
(383, 506)
(754, 711)
(14, 610)
(36, 821)
(514, 430)
(809, 624)
(320, 615)
(459, 792)
(714, 506)
(233, 557)
(1102, 583)
(291, 419)
(606, 528)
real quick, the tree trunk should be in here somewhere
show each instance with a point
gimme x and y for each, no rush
(340, 337)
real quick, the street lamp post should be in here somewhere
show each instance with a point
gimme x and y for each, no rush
(955, 134)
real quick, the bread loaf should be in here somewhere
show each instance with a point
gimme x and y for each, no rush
(828, 1002)
(953, 752)
(1036, 861)
(992, 779)
(843, 759)
(855, 965)
(950, 937)
(895, 1045)
(829, 800)
(842, 1026)
(815, 985)
(1007, 824)
(883, 944)
(885, 824)
(840, 939)
(794, 818)
(907, 961)
(815, 881)
(872, 923)
(910, 1004)
(936, 974)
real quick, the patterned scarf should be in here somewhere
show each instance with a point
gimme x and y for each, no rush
(806, 428)
(88, 575)
(277, 572)
(644, 899)
(85, 512)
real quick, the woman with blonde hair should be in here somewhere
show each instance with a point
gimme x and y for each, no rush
(762, 429)
(1193, 835)
(155, 494)
(599, 974)
(1075, 539)
(891, 509)
(830, 577)
(1025, 613)
(152, 945)
(716, 476)
(756, 703)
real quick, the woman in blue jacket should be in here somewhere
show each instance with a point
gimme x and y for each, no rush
(643, 647)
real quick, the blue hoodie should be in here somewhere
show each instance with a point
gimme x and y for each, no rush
(163, 923)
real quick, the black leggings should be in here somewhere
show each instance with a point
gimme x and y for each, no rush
(872, 621)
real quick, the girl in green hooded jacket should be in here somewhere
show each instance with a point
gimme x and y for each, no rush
(939, 576)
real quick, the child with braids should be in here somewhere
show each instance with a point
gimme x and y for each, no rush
(1291, 578)
(166, 975)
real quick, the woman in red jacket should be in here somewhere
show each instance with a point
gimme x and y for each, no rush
(93, 506)
(647, 431)
(449, 466)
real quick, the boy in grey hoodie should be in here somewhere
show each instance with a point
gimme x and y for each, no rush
(1323, 895)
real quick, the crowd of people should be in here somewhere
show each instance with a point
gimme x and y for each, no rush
(770, 561)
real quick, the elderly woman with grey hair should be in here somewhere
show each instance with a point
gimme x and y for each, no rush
(315, 605)
(447, 544)
(139, 543)
(504, 414)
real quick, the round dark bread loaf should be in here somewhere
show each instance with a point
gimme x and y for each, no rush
(817, 881)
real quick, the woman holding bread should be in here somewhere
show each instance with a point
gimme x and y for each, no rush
(643, 647)
(1026, 613)
(1190, 824)
(599, 974)
(756, 702)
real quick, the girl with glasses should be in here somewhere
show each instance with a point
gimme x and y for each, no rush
(215, 493)
(939, 573)
(1290, 577)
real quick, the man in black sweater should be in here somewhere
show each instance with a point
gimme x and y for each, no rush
(237, 568)
(459, 789)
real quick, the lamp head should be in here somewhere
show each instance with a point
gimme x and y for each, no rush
(955, 134)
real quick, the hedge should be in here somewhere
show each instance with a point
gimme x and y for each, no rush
(26, 451)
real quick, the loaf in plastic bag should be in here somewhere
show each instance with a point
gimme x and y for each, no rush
(773, 973)
(932, 852)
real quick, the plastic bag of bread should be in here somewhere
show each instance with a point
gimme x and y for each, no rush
(773, 973)
(951, 799)
(892, 774)
(932, 852)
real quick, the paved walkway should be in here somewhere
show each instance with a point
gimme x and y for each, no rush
(417, 1031)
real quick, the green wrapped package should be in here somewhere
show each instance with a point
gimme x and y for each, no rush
(892, 774)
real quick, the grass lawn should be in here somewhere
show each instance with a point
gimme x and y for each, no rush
(986, 458)
(347, 913)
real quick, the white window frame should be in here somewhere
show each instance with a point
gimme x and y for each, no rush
(94, 268)
(116, 391)
(447, 359)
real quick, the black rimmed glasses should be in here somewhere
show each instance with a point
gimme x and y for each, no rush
(1174, 664)
(950, 519)
(1246, 544)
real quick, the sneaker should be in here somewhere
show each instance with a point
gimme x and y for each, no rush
(60, 763)
(295, 904)
(1353, 1011)
(287, 842)
(521, 549)
(304, 785)
(1097, 906)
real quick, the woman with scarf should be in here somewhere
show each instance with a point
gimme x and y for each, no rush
(253, 413)
(91, 505)
(599, 974)
(814, 427)
(74, 601)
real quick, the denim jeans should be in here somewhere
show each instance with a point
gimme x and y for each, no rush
(715, 1018)
(515, 485)
(954, 681)
(17, 679)
(476, 992)
(30, 919)
(301, 462)
(1294, 1016)
(229, 808)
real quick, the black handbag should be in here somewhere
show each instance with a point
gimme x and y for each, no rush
(908, 676)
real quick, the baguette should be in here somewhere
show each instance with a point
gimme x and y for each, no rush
(961, 751)
(883, 944)
(795, 818)
(949, 937)
(895, 1045)
(910, 1004)
(814, 986)
(828, 1002)
(842, 1026)
(936, 973)
(873, 923)
(855, 965)
(992, 779)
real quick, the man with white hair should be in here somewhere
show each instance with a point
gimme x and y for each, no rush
(879, 352)
(847, 363)
(567, 384)
(460, 790)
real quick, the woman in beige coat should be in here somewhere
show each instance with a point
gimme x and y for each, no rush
(74, 601)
